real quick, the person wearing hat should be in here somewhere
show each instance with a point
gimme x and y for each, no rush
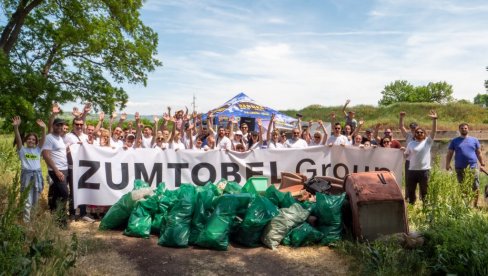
(369, 137)
(54, 153)
(350, 120)
(237, 140)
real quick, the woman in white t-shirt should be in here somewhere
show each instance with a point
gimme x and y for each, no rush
(30, 158)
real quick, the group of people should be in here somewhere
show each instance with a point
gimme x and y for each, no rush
(190, 132)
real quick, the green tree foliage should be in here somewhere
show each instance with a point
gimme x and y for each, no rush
(402, 91)
(71, 50)
(481, 99)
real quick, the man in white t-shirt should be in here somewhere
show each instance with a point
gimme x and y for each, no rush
(147, 137)
(76, 136)
(337, 138)
(295, 141)
(223, 142)
(54, 153)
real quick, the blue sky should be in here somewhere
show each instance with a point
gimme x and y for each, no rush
(291, 54)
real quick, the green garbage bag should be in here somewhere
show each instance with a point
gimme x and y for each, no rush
(166, 202)
(177, 225)
(215, 235)
(118, 215)
(232, 188)
(249, 188)
(287, 219)
(329, 214)
(141, 218)
(302, 235)
(203, 210)
(288, 200)
(274, 195)
(259, 213)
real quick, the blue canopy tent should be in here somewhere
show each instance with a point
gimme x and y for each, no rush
(245, 109)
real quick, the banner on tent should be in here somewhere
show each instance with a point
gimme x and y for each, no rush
(102, 175)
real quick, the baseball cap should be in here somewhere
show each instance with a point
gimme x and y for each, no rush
(59, 121)
(238, 133)
(413, 125)
(369, 130)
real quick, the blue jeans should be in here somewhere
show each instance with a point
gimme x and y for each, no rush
(34, 178)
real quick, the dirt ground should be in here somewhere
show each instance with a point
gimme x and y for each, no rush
(112, 253)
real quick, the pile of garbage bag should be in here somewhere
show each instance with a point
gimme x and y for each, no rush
(212, 215)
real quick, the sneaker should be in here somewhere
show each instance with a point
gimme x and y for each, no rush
(87, 219)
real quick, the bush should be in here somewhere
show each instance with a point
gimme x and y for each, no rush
(456, 239)
(38, 247)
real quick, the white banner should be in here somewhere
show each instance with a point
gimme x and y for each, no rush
(102, 175)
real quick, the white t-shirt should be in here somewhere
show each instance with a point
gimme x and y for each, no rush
(71, 138)
(30, 158)
(224, 143)
(275, 145)
(298, 143)
(56, 145)
(419, 154)
(177, 145)
(146, 142)
(337, 140)
(116, 144)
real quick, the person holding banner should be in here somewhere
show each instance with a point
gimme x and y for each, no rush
(418, 152)
(295, 141)
(337, 138)
(318, 140)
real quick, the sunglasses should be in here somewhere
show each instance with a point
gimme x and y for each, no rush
(296, 132)
(337, 128)
(419, 132)
(317, 137)
(78, 124)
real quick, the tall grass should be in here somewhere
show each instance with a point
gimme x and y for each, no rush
(456, 235)
(38, 247)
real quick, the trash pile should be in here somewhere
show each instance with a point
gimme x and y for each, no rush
(212, 215)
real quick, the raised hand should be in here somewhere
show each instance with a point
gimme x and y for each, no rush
(433, 114)
(87, 107)
(137, 117)
(114, 115)
(348, 101)
(55, 109)
(402, 114)
(332, 115)
(156, 118)
(361, 122)
(101, 115)
(76, 112)
(166, 117)
(41, 123)
(260, 122)
(123, 116)
(16, 121)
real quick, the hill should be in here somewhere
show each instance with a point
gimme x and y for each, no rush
(450, 115)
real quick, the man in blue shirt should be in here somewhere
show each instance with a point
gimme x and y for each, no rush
(467, 153)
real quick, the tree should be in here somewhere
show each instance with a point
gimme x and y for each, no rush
(402, 91)
(71, 50)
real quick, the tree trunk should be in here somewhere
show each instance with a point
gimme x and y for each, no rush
(11, 32)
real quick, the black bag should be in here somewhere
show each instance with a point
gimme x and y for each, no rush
(317, 185)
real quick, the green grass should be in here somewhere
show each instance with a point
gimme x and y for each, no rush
(455, 233)
(38, 247)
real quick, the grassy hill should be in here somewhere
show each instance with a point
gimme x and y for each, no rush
(450, 115)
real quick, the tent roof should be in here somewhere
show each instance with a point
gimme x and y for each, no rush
(243, 106)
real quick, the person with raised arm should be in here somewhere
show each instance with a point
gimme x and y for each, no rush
(295, 141)
(76, 136)
(418, 151)
(256, 138)
(30, 159)
(350, 120)
(116, 135)
(175, 143)
(318, 138)
(273, 135)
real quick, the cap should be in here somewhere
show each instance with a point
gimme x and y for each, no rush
(413, 125)
(59, 121)
(131, 135)
(238, 133)
(369, 130)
